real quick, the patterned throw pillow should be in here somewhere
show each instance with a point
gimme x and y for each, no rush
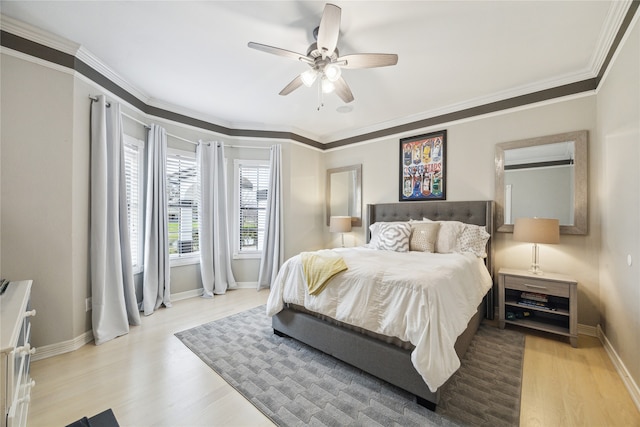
(424, 236)
(393, 236)
(473, 239)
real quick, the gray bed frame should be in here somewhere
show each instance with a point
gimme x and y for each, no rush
(386, 361)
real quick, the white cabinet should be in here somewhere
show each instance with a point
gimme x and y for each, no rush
(16, 352)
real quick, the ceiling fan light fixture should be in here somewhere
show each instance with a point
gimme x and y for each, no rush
(309, 77)
(333, 72)
(327, 85)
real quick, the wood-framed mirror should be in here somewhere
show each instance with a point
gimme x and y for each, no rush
(344, 193)
(543, 177)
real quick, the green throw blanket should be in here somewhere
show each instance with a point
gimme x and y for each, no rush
(319, 267)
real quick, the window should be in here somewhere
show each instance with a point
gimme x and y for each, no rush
(182, 204)
(133, 167)
(251, 191)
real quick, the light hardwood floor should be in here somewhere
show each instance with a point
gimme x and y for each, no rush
(149, 378)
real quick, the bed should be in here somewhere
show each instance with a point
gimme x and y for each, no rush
(400, 359)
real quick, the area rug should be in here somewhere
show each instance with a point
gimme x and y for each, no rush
(294, 384)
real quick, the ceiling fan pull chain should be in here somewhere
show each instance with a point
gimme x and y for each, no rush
(320, 103)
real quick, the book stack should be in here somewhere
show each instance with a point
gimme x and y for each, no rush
(537, 300)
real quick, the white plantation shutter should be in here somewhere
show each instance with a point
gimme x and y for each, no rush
(182, 203)
(133, 167)
(252, 186)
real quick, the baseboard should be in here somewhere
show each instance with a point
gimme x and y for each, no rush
(247, 285)
(62, 347)
(590, 331)
(628, 381)
(198, 292)
(186, 295)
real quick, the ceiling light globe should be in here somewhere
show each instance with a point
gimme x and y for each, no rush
(333, 72)
(327, 86)
(308, 77)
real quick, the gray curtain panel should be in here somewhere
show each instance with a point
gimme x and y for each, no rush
(114, 305)
(272, 250)
(156, 284)
(215, 253)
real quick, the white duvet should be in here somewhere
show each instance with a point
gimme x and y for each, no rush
(426, 299)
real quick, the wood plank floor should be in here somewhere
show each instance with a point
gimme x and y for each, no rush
(149, 378)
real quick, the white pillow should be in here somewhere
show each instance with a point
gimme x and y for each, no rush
(473, 239)
(448, 234)
(390, 236)
(423, 236)
(375, 235)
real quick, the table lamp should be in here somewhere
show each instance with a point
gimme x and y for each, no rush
(340, 224)
(536, 230)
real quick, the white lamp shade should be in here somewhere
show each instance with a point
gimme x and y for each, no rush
(340, 224)
(537, 230)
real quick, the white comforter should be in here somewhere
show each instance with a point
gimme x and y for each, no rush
(426, 299)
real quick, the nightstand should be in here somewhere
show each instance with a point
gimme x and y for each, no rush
(547, 302)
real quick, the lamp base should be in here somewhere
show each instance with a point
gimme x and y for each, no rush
(535, 256)
(535, 269)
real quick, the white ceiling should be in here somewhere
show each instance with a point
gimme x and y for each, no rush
(192, 57)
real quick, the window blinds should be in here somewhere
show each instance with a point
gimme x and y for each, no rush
(182, 203)
(133, 166)
(253, 187)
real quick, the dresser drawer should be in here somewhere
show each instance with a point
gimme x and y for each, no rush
(541, 286)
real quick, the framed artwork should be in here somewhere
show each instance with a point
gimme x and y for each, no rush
(423, 167)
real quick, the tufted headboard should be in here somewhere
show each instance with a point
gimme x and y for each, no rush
(473, 212)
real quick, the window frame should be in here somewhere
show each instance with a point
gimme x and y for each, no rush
(190, 257)
(237, 164)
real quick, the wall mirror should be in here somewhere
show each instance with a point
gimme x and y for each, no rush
(344, 193)
(543, 177)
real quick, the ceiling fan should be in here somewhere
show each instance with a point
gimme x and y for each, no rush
(325, 62)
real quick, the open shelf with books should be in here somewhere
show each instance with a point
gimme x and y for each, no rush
(544, 302)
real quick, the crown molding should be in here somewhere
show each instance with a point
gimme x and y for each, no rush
(467, 105)
(617, 13)
(38, 35)
(92, 61)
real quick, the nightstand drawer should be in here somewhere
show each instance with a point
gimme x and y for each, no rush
(541, 286)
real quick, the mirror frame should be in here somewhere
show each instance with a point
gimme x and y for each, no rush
(356, 221)
(580, 207)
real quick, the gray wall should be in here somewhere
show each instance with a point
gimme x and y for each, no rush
(615, 180)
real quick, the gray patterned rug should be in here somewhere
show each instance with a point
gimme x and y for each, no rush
(293, 384)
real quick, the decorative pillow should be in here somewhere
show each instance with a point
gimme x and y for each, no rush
(473, 239)
(448, 234)
(423, 236)
(375, 238)
(393, 236)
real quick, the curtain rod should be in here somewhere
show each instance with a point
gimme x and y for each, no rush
(95, 99)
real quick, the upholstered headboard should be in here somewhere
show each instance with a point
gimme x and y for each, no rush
(473, 212)
(470, 212)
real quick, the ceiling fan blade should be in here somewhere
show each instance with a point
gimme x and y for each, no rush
(343, 91)
(329, 29)
(295, 84)
(368, 60)
(280, 52)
